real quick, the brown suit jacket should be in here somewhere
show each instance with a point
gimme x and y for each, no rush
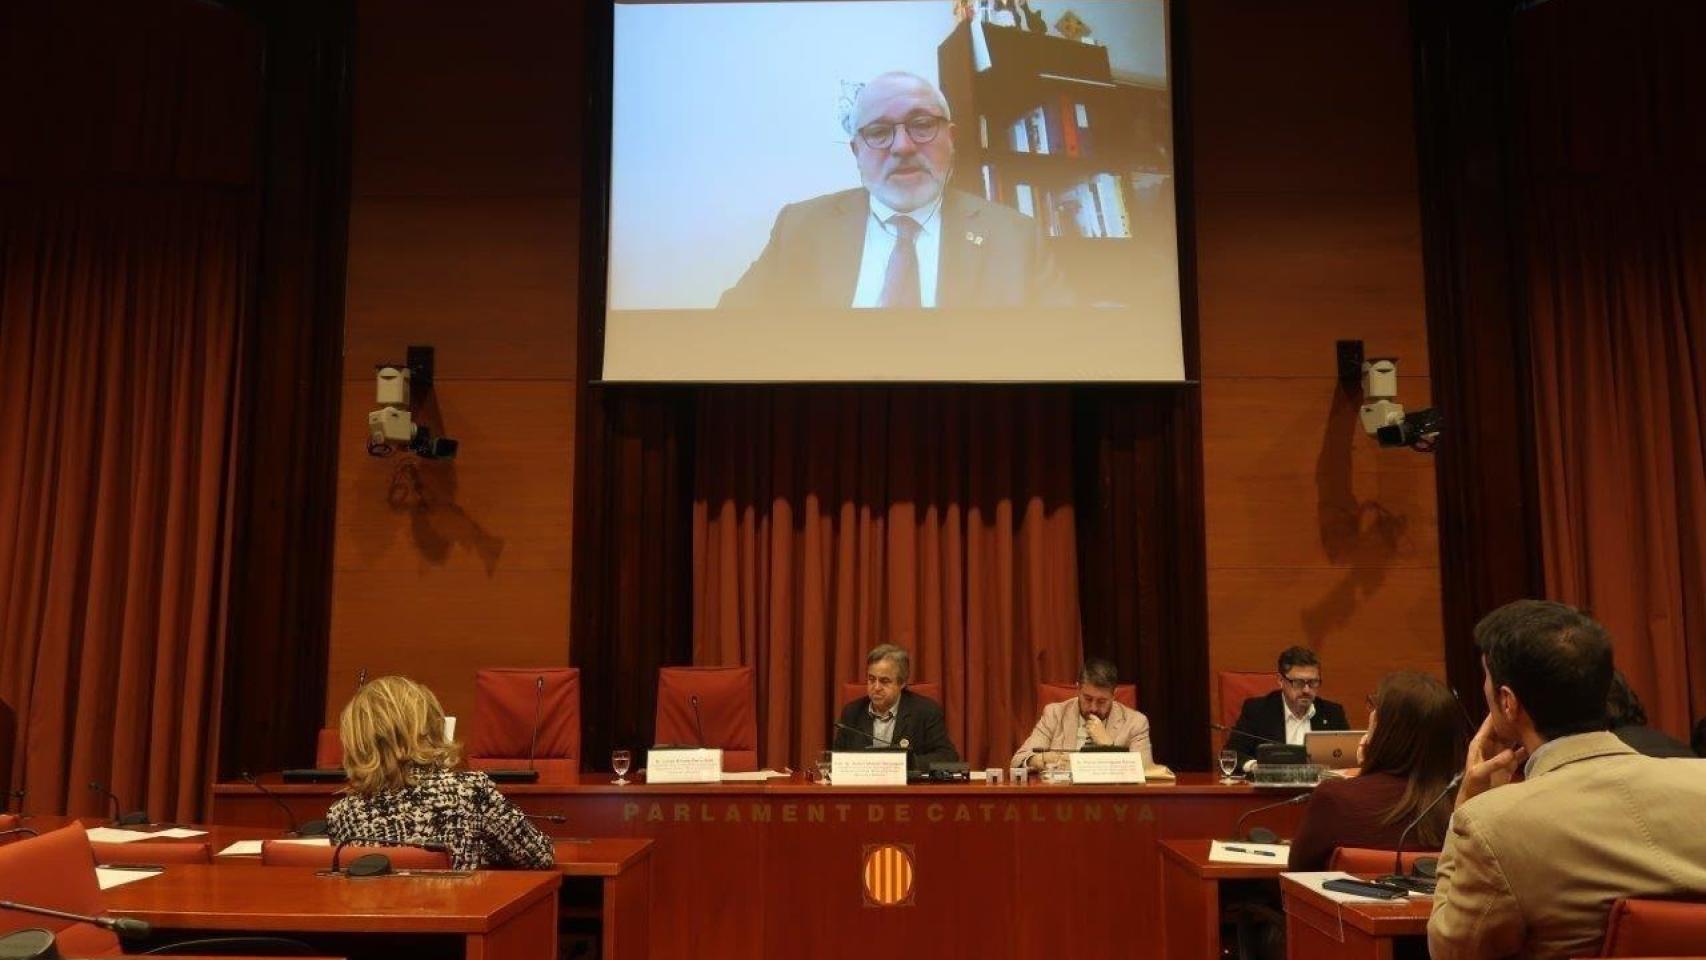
(1057, 729)
(991, 256)
(1531, 869)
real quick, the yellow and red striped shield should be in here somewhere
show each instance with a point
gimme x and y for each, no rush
(888, 875)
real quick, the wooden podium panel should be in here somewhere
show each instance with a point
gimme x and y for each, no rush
(789, 869)
(1190, 897)
(511, 915)
(1318, 928)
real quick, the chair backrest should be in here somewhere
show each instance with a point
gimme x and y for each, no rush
(1365, 860)
(151, 851)
(1048, 693)
(727, 708)
(281, 853)
(56, 870)
(509, 700)
(1655, 928)
(328, 749)
(1235, 688)
(856, 689)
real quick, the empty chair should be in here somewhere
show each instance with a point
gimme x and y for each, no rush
(1047, 693)
(151, 851)
(726, 709)
(55, 870)
(282, 853)
(1655, 928)
(1362, 860)
(510, 704)
(1235, 688)
(853, 691)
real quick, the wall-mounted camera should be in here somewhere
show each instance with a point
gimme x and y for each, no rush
(400, 388)
(1382, 416)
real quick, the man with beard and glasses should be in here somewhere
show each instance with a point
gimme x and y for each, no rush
(903, 239)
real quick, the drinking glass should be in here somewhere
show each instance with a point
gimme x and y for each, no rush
(619, 760)
(1228, 763)
(824, 762)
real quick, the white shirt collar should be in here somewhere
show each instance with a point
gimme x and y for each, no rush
(928, 221)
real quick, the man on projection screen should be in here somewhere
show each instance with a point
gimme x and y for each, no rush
(903, 240)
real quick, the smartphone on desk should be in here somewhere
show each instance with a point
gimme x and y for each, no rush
(1364, 889)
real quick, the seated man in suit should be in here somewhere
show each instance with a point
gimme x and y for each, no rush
(889, 714)
(901, 240)
(1288, 713)
(1091, 717)
(1531, 868)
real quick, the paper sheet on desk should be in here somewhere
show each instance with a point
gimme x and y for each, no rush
(114, 835)
(252, 848)
(109, 878)
(754, 776)
(1314, 882)
(1261, 854)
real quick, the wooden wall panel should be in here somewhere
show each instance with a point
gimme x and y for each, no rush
(1309, 231)
(464, 234)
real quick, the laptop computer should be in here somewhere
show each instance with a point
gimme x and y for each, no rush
(1333, 749)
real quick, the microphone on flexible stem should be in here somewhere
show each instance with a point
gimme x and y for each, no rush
(1234, 731)
(306, 828)
(1263, 834)
(135, 818)
(1423, 882)
(126, 927)
(547, 817)
(377, 864)
(698, 721)
(869, 736)
(538, 704)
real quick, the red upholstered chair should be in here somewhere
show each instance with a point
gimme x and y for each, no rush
(507, 701)
(1363, 860)
(853, 691)
(1655, 928)
(328, 749)
(275, 853)
(1048, 693)
(726, 707)
(55, 870)
(1235, 688)
(151, 851)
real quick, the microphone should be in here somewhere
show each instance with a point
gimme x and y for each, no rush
(1421, 884)
(135, 818)
(698, 722)
(547, 817)
(126, 927)
(1263, 834)
(1230, 731)
(869, 736)
(361, 678)
(538, 703)
(377, 864)
(309, 828)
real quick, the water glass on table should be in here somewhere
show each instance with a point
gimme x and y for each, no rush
(1228, 763)
(619, 760)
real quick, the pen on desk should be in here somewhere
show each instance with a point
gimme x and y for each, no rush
(1259, 853)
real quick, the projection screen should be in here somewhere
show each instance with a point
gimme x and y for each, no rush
(892, 190)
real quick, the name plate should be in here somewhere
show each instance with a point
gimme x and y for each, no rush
(684, 766)
(1124, 767)
(868, 768)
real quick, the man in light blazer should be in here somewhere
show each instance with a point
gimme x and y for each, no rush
(902, 239)
(1531, 868)
(1092, 717)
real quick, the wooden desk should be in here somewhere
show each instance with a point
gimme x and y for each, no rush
(1317, 928)
(789, 869)
(619, 873)
(1190, 897)
(496, 915)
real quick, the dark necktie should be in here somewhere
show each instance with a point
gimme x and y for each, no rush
(900, 282)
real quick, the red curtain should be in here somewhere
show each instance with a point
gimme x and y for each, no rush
(1613, 149)
(827, 521)
(127, 248)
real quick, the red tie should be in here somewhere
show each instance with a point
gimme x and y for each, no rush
(900, 283)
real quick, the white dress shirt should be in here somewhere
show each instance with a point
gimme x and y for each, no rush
(879, 244)
(1296, 726)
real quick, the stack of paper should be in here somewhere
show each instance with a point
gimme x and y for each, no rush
(1265, 854)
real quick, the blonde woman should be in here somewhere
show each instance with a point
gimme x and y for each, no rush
(402, 785)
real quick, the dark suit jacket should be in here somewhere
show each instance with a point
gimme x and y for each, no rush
(1265, 717)
(918, 720)
(1653, 743)
(991, 256)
